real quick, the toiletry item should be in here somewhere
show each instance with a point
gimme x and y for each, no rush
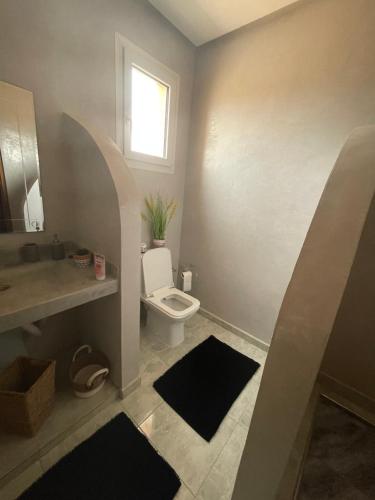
(99, 262)
(30, 252)
(143, 248)
(187, 277)
(58, 250)
(82, 258)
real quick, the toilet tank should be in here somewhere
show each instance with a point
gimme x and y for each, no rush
(157, 270)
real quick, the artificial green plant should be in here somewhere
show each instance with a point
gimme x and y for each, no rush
(159, 213)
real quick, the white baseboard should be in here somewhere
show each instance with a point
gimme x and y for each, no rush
(234, 329)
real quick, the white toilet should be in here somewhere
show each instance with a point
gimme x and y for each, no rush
(168, 307)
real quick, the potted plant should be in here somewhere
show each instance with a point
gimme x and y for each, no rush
(159, 213)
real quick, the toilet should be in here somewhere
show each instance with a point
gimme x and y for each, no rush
(168, 307)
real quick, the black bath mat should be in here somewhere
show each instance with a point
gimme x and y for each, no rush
(116, 463)
(204, 384)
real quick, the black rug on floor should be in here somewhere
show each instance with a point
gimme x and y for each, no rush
(116, 463)
(204, 384)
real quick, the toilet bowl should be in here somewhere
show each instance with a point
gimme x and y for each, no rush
(168, 307)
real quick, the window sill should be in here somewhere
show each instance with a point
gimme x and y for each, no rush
(149, 166)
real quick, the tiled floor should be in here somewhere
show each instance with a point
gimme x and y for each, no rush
(207, 470)
(69, 413)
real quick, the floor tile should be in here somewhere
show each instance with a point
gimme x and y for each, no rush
(144, 400)
(67, 411)
(259, 374)
(141, 403)
(18, 485)
(151, 343)
(259, 355)
(198, 321)
(245, 402)
(184, 494)
(152, 367)
(240, 344)
(189, 454)
(206, 469)
(172, 355)
(247, 415)
(80, 435)
(220, 481)
(197, 335)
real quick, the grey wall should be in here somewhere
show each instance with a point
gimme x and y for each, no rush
(273, 105)
(64, 53)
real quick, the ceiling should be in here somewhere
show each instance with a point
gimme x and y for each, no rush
(203, 20)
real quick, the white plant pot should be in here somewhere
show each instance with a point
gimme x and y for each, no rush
(158, 243)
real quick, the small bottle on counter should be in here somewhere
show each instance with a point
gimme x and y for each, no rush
(99, 263)
(58, 249)
(30, 252)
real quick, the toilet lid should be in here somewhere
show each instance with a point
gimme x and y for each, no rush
(157, 270)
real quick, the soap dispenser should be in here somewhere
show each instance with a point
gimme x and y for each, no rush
(58, 250)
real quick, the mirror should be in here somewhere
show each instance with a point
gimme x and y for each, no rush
(21, 206)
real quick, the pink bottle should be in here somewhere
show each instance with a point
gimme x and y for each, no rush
(99, 263)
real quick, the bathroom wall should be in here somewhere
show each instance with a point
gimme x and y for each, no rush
(64, 52)
(108, 219)
(273, 105)
(349, 359)
(334, 247)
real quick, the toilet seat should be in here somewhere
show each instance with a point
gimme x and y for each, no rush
(158, 300)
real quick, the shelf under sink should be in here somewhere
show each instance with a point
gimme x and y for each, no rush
(35, 291)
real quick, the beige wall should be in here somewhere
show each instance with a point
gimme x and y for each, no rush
(350, 354)
(307, 318)
(108, 219)
(273, 104)
(63, 51)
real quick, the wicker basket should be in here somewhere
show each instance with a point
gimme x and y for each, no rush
(27, 389)
(88, 371)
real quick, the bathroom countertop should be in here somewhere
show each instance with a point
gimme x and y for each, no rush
(41, 289)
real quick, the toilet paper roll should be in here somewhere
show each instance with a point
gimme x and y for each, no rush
(187, 277)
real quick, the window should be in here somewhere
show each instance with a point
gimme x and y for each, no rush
(149, 114)
(146, 102)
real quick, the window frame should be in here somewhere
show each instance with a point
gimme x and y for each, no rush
(127, 56)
